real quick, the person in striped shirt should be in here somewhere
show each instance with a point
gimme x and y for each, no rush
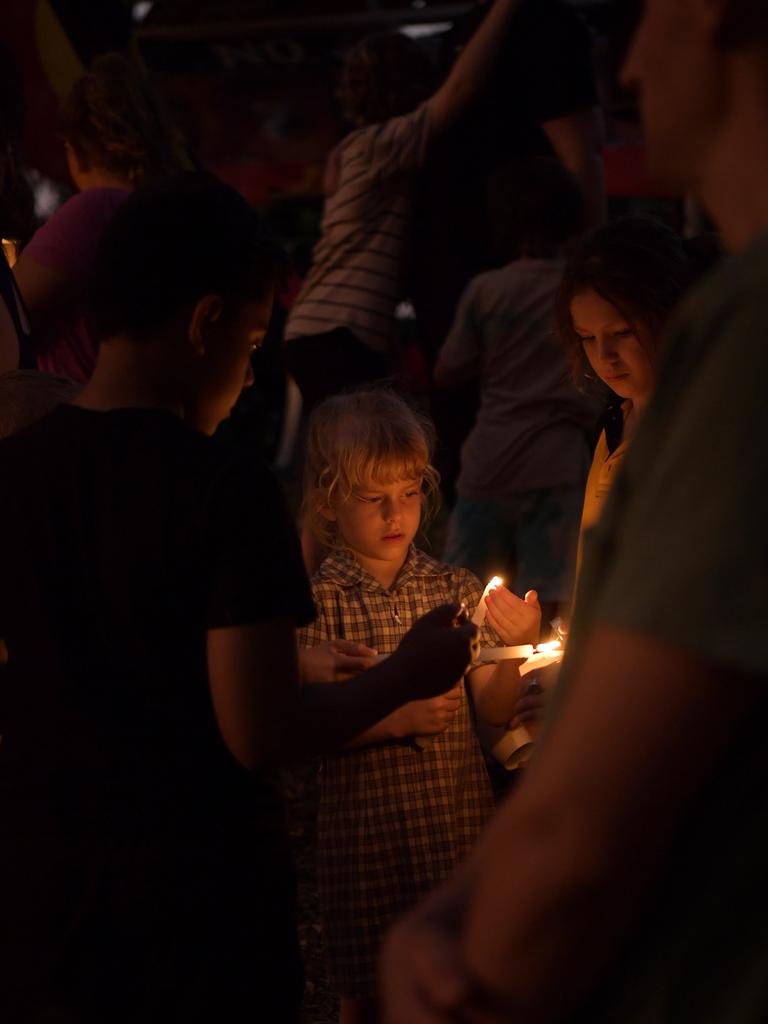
(340, 330)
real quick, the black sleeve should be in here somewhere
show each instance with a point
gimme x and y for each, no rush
(256, 569)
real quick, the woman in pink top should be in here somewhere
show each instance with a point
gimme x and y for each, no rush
(116, 136)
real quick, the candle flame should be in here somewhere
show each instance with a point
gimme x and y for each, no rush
(549, 647)
(479, 617)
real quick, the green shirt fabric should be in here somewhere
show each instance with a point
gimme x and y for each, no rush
(681, 555)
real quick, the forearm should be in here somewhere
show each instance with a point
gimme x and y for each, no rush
(474, 66)
(549, 905)
(382, 732)
(566, 865)
(589, 173)
(265, 715)
(496, 690)
(578, 140)
(334, 714)
(45, 292)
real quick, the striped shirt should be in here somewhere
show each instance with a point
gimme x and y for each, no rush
(357, 269)
(394, 820)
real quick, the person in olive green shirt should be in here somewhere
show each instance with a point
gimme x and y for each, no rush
(625, 880)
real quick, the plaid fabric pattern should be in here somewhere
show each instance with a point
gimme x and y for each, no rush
(393, 820)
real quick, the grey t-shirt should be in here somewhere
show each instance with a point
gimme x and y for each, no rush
(530, 428)
(681, 554)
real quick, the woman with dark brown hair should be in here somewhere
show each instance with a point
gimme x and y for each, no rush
(117, 136)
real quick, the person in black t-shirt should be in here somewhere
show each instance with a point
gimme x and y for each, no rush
(151, 586)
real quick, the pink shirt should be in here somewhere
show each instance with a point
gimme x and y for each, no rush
(67, 244)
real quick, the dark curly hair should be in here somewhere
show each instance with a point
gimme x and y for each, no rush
(639, 265)
(383, 76)
(113, 116)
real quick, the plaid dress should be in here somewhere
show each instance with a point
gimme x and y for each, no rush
(393, 820)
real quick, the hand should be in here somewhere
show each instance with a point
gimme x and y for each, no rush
(421, 979)
(427, 717)
(434, 653)
(535, 693)
(334, 660)
(516, 620)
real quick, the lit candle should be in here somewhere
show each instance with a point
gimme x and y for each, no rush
(549, 647)
(513, 747)
(545, 654)
(479, 617)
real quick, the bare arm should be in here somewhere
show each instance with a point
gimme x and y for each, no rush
(416, 718)
(577, 139)
(581, 840)
(496, 690)
(263, 714)
(333, 660)
(46, 292)
(641, 729)
(473, 68)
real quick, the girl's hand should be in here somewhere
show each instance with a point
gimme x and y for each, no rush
(535, 694)
(516, 620)
(334, 660)
(426, 717)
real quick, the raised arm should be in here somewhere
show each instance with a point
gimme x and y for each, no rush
(472, 69)
(578, 139)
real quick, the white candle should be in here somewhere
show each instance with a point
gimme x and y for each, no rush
(479, 617)
(542, 658)
(502, 653)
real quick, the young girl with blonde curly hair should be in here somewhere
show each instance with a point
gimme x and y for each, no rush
(403, 804)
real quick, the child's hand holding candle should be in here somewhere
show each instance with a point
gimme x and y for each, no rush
(535, 691)
(517, 620)
(479, 614)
